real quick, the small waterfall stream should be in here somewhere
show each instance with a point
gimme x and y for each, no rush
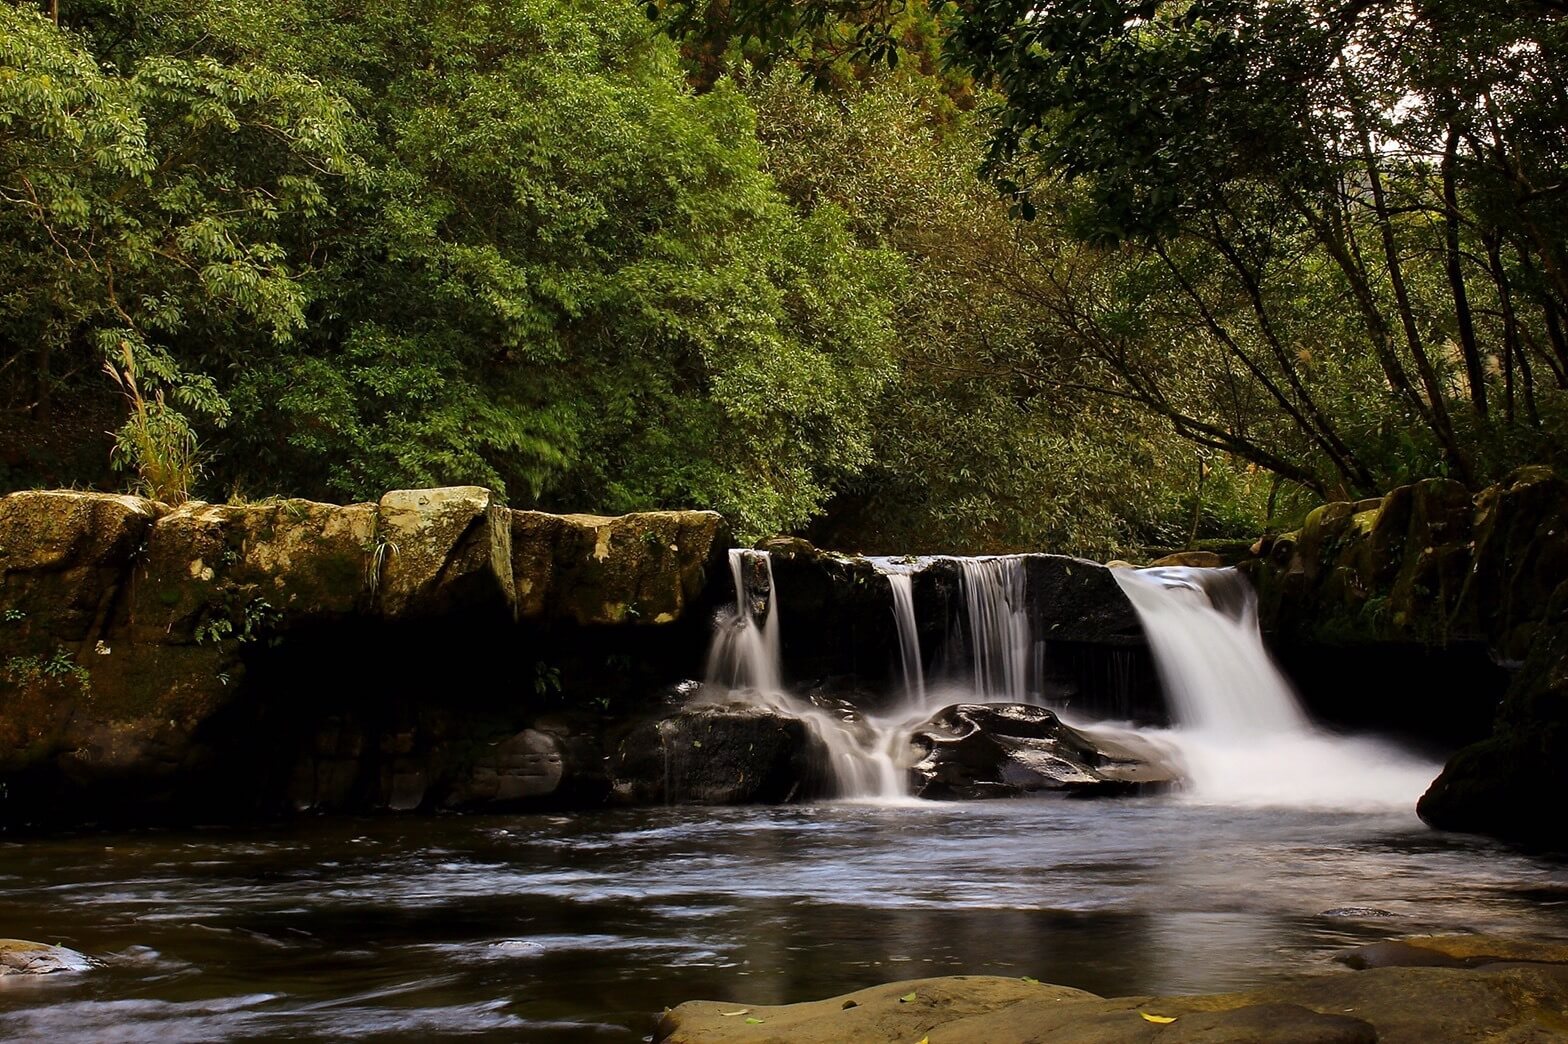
(745, 664)
(1001, 639)
(1243, 735)
(900, 573)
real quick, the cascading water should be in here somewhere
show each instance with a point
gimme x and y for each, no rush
(1243, 736)
(1001, 647)
(900, 575)
(745, 664)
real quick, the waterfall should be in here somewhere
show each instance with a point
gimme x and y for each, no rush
(1243, 735)
(1001, 643)
(744, 664)
(1202, 626)
(900, 580)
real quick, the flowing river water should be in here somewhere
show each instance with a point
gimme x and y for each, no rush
(1289, 844)
(581, 928)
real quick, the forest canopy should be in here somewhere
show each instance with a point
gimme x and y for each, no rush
(1083, 275)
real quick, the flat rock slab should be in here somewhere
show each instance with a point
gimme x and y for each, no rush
(1514, 1001)
(1453, 951)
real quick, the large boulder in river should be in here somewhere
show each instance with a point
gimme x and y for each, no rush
(711, 754)
(1007, 750)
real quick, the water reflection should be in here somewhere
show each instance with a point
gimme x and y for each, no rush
(580, 928)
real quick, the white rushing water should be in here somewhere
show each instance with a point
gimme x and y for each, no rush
(745, 664)
(1243, 735)
(1001, 647)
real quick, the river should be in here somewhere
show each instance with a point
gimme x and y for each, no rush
(583, 927)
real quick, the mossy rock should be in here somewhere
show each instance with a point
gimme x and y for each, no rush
(212, 572)
(442, 550)
(63, 559)
(1520, 558)
(642, 568)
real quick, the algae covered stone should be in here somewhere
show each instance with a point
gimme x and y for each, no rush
(441, 549)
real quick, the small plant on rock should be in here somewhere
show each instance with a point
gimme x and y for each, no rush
(156, 442)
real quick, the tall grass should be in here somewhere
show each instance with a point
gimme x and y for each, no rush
(156, 443)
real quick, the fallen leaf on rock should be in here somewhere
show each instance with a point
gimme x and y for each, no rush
(1159, 1019)
(753, 1022)
(908, 998)
(730, 1014)
(1031, 980)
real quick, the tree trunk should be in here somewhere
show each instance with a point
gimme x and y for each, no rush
(1475, 374)
(1442, 425)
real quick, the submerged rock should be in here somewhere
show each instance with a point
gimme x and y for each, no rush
(1006, 750)
(1520, 998)
(711, 754)
(20, 957)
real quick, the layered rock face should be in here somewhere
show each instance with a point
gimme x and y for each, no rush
(838, 625)
(403, 648)
(1429, 568)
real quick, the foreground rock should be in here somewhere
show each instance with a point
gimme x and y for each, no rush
(1008, 750)
(1521, 995)
(20, 957)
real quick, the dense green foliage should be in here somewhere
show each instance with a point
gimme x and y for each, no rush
(434, 244)
(1324, 237)
(1228, 256)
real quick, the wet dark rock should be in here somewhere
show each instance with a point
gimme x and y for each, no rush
(1507, 785)
(1008, 750)
(712, 754)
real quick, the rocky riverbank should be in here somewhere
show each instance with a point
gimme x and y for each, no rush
(1431, 575)
(438, 650)
(1457, 988)
(415, 652)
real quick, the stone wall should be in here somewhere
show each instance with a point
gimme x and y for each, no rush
(399, 651)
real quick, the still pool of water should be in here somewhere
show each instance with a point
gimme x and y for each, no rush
(582, 927)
